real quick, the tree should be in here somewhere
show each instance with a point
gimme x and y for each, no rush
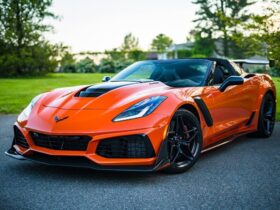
(161, 42)
(67, 62)
(86, 65)
(130, 43)
(22, 45)
(222, 18)
(266, 27)
(247, 45)
(200, 41)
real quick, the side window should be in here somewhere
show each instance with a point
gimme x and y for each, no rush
(221, 73)
(237, 68)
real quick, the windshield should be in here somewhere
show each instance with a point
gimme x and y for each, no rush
(175, 73)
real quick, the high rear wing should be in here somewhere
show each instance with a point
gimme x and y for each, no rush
(240, 62)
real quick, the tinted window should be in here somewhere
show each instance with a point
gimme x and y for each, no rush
(237, 68)
(221, 73)
(175, 73)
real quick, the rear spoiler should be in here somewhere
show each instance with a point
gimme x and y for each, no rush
(271, 63)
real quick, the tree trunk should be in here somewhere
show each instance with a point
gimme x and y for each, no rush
(224, 29)
(19, 33)
(225, 43)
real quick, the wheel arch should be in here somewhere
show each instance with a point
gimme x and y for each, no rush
(192, 109)
(261, 96)
(269, 91)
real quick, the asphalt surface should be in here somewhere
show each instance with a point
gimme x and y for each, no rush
(244, 174)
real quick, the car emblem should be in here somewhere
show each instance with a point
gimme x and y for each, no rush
(57, 119)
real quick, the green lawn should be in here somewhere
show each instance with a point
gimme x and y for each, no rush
(15, 94)
(277, 84)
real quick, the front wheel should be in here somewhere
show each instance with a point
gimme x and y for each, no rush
(184, 141)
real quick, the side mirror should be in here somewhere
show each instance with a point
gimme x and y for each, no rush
(106, 79)
(232, 80)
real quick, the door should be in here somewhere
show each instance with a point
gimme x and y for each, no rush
(232, 108)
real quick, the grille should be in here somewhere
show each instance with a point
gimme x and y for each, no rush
(19, 138)
(60, 142)
(134, 146)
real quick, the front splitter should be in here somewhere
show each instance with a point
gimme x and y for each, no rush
(83, 162)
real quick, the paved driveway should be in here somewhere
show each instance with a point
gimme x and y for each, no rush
(244, 174)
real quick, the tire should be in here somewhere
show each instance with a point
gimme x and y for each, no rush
(184, 141)
(266, 119)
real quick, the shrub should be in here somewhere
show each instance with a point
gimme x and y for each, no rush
(32, 60)
(86, 66)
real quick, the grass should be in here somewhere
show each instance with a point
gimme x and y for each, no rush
(277, 84)
(16, 93)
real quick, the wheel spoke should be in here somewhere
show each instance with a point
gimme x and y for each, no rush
(176, 156)
(269, 111)
(172, 150)
(192, 138)
(181, 122)
(188, 156)
(184, 142)
(180, 125)
(268, 125)
(268, 116)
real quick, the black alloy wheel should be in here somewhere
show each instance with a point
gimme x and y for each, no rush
(184, 141)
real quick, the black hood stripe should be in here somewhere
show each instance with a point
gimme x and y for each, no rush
(102, 88)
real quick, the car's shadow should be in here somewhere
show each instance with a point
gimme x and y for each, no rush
(35, 170)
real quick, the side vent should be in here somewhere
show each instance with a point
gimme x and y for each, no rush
(204, 110)
(249, 122)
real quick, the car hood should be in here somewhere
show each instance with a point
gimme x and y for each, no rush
(102, 96)
(92, 107)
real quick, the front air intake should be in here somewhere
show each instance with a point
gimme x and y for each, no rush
(134, 146)
(60, 142)
(19, 138)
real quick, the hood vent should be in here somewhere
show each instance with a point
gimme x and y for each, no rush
(100, 89)
(92, 93)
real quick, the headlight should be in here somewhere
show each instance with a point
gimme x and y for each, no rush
(141, 109)
(26, 112)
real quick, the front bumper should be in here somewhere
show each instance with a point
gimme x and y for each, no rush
(82, 162)
(90, 159)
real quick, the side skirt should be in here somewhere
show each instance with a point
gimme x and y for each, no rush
(222, 142)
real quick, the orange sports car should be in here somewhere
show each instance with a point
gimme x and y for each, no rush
(153, 115)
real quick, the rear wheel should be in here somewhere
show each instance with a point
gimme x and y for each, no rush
(184, 141)
(266, 117)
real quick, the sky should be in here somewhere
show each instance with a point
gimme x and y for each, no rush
(96, 25)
